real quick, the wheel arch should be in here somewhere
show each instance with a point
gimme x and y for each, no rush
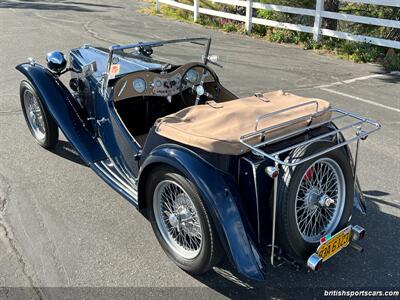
(144, 174)
(63, 108)
(219, 194)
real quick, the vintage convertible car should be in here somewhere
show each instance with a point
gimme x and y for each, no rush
(267, 178)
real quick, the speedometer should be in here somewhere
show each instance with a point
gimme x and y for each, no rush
(192, 76)
(139, 85)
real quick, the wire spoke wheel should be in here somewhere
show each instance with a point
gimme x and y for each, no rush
(177, 219)
(320, 200)
(34, 115)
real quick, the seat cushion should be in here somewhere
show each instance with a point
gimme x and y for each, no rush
(217, 127)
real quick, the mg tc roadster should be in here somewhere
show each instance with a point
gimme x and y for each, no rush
(266, 179)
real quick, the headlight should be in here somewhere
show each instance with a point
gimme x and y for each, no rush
(139, 85)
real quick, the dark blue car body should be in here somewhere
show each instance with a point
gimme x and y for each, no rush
(105, 145)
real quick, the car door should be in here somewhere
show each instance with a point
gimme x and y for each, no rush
(117, 141)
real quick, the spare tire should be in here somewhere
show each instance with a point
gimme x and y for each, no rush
(315, 198)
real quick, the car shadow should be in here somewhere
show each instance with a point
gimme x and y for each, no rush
(390, 77)
(67, 151)
(376, 267)
(54, 5)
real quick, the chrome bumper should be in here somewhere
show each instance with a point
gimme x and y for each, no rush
(314, 262)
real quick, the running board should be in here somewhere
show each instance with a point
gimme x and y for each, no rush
(111, 175)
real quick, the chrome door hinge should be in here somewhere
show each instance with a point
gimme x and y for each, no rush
(138, 155)
(102, 121)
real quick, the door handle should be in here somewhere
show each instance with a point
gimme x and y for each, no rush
(102, 121)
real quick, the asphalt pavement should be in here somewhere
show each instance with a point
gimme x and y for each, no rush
(62, 226)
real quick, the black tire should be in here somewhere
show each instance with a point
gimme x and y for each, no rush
(50, 138)
(211, 251)
(288, 234)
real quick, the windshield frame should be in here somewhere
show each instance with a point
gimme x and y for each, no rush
(198, 41)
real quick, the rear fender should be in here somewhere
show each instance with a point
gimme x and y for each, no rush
(66, 112)
(220, 195)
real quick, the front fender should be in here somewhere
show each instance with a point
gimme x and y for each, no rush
(64, 109)
(220, 195)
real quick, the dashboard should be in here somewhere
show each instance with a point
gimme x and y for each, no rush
(167, 86)
(150, 83)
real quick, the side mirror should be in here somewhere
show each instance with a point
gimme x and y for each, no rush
(56, 61)
(212, 59)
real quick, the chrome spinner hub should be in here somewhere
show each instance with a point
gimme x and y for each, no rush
(177, 219)
(312, 198)
(326, 201)
(173, 220)
(320, 199)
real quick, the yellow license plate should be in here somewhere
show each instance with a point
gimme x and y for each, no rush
(336, 243)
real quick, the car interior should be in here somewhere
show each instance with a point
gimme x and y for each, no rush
(188, 104)
(152, 95)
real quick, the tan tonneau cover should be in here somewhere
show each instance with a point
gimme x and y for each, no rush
(217, 127)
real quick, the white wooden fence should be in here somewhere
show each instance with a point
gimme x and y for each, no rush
(319, 13)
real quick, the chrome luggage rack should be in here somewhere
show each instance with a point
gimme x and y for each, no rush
(359, 126)
(356, 124)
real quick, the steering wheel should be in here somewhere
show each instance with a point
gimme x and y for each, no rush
(198, 85)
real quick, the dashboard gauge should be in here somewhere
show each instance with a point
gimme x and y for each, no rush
(192, 76)
(139, 85)
(158, 83)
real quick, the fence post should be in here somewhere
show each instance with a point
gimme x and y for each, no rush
(249, 16)
(157, 6)
(196, 5)
(319, 7)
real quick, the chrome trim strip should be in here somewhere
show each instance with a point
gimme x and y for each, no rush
(122, 88)
(132, 188)
(126, 176)
(113, 177)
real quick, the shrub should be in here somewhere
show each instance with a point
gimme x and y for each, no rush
(392, 62)
(230, 27)
(282, 36)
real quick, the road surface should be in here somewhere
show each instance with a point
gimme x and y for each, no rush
(62, 226)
